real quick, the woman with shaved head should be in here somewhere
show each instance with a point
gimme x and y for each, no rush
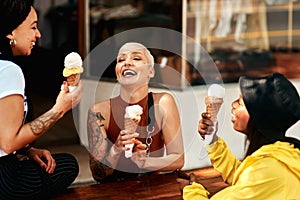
(158, 144)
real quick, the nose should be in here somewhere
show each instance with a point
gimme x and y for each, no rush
(128, 62)
(38, 34)
(234, 103)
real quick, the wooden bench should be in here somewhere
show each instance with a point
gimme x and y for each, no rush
(155, 186)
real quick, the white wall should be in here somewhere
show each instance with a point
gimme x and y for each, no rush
(191, 104)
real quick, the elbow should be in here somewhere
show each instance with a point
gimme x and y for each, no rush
(99, 171)
(181, 165)
(7, 148)
(180, 162)
(96, 176)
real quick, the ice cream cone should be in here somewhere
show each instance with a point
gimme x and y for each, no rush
(73, 69)
(132, 118)
(130, 124)
(213, 105)
(73, 79)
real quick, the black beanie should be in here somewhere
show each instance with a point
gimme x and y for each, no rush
(273, 104)
(12, 14)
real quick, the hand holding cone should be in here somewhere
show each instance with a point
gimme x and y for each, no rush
(132, 118)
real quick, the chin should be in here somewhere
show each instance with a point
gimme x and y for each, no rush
(28, 53)
(240, 130)
(236, 128)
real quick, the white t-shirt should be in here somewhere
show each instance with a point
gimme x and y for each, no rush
(11, 79)
(11, 82)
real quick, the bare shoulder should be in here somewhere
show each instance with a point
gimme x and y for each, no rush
(163, 98)
(99, 106)
(102, 107)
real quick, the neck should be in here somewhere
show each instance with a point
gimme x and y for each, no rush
(133, 95)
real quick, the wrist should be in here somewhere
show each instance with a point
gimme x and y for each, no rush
(25, 150)
(115, 150)
(59, 112)
(211, 135)
(214, 139)
(114, 154)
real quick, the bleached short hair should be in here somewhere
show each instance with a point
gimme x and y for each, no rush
(130, 46)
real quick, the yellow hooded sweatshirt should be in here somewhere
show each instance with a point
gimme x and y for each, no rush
(270, 173)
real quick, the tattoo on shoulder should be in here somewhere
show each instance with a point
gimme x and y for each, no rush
(95, 119)
(100, 116)
(43, 123)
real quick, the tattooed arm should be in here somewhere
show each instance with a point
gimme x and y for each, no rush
(102, 159)
(14, 134)
(44, 122)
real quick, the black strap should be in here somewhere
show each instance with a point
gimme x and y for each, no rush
(151, 112)
(151, 121)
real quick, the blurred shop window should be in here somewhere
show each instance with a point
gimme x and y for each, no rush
(111, 17)
(64, 28)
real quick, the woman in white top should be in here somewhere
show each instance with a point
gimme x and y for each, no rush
(41, 174)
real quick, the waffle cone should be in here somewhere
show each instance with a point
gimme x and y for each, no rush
(130, 124)
(213, 105)
(73, 79)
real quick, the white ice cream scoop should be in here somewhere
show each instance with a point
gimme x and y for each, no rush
(133, 112)
(216, 90)
(73, 60)
(214, 100)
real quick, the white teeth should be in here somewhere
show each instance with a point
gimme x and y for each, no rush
(129, 73)
(32, 43)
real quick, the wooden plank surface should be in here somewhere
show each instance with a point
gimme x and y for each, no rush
(155, 186)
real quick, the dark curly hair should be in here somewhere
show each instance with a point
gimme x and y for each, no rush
(12, 14)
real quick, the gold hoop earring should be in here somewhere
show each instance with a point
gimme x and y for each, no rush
(12, 42)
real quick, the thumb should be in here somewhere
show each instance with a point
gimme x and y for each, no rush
(65, 86)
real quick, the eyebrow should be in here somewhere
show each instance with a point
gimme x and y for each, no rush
(136, 52)
(34, 22)
(132, 52)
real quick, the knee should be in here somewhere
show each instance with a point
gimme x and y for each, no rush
(68, 163)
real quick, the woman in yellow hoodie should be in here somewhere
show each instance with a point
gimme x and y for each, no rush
(267, 107)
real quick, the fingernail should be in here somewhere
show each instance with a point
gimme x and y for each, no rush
(136, 141)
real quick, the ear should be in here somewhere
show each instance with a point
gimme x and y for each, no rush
(151, 72)
(10, 36)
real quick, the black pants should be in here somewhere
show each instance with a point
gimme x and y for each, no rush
(27, 180)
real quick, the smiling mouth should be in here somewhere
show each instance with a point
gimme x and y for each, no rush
(128, 73)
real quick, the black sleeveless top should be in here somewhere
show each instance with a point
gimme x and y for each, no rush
(125, 167)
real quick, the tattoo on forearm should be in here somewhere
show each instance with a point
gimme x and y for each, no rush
(43, 123)
(95, 134)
